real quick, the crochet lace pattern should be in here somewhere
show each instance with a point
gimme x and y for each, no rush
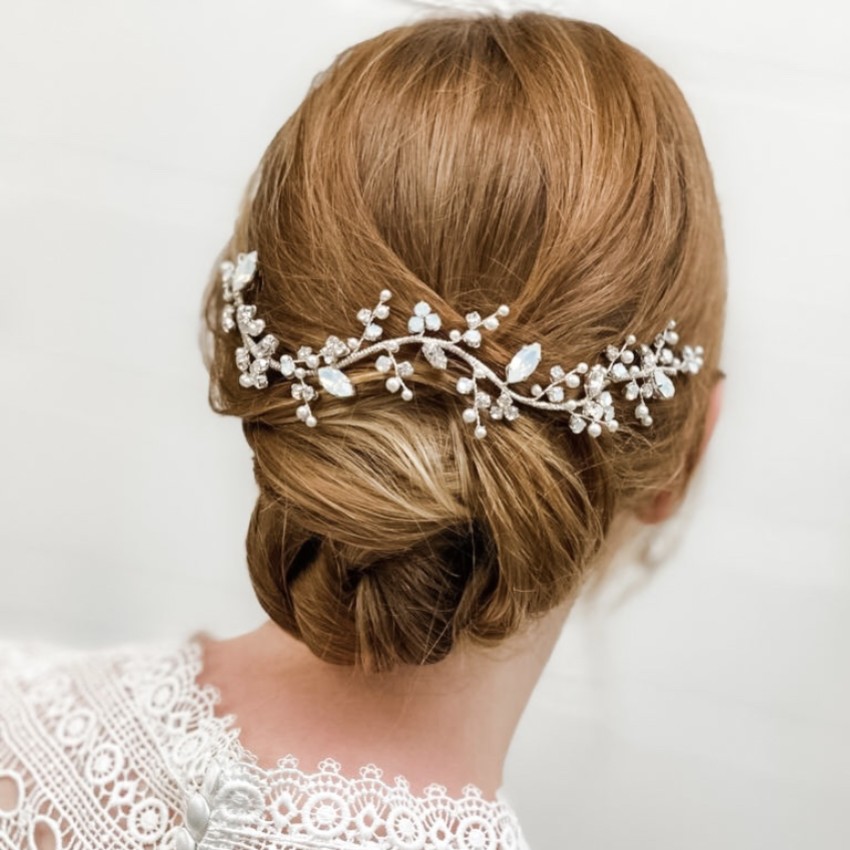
(123, 748)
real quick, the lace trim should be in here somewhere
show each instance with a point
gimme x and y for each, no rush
(239, 803)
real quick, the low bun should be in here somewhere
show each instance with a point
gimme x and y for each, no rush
(535, 161)
(378, 539)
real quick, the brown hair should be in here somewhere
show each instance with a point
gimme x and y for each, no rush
(467, 161)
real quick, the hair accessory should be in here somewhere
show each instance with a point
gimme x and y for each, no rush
(645, 372)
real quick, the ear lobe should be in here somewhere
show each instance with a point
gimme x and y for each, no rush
(665, 503)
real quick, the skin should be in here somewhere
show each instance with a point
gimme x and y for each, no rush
(450, 722)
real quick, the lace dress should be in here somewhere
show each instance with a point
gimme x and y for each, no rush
(121, 749)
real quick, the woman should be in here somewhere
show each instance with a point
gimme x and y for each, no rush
(444, 319)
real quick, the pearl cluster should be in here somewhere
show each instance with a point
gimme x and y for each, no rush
(645, 372)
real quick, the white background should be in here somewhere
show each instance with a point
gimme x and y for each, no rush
(709, 708)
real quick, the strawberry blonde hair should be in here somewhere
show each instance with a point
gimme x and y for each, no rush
(533, 160)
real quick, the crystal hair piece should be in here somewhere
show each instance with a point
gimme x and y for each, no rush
(645, 372)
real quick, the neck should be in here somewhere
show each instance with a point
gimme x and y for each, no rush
(450, 722)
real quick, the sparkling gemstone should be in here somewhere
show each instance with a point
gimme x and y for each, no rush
(227, 321)
(523, 363)
(647, 390)
(435, 355)
(612, 352)
(246, 265)
(269, 344)
(496, 412)
(416, 324)
(304, 351)
(594, 410)
(632, 391)
(619, 372)
(556, 372)
(405, 368)
(384, 363)
(511, 413)
(422, 308)
(373, 331)
(308, 393)
(261, 381)
(473, 319)
(287, 365)
(596, 380)
(482, 399)
(556, 394)
(455, 335)
(364, 315)
(472, 337)
(335, 381)
(577, 424)
(664, 384)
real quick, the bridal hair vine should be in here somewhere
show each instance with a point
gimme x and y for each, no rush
(646, 372)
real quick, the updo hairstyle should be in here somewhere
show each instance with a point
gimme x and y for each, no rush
(465, 161)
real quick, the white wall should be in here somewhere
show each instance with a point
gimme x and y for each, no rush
(707, 710)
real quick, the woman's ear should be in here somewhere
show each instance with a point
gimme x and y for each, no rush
(664, 504)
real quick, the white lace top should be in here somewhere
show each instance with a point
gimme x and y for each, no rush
(121, 749)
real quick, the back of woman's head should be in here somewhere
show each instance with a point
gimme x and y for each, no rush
(534, 161)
